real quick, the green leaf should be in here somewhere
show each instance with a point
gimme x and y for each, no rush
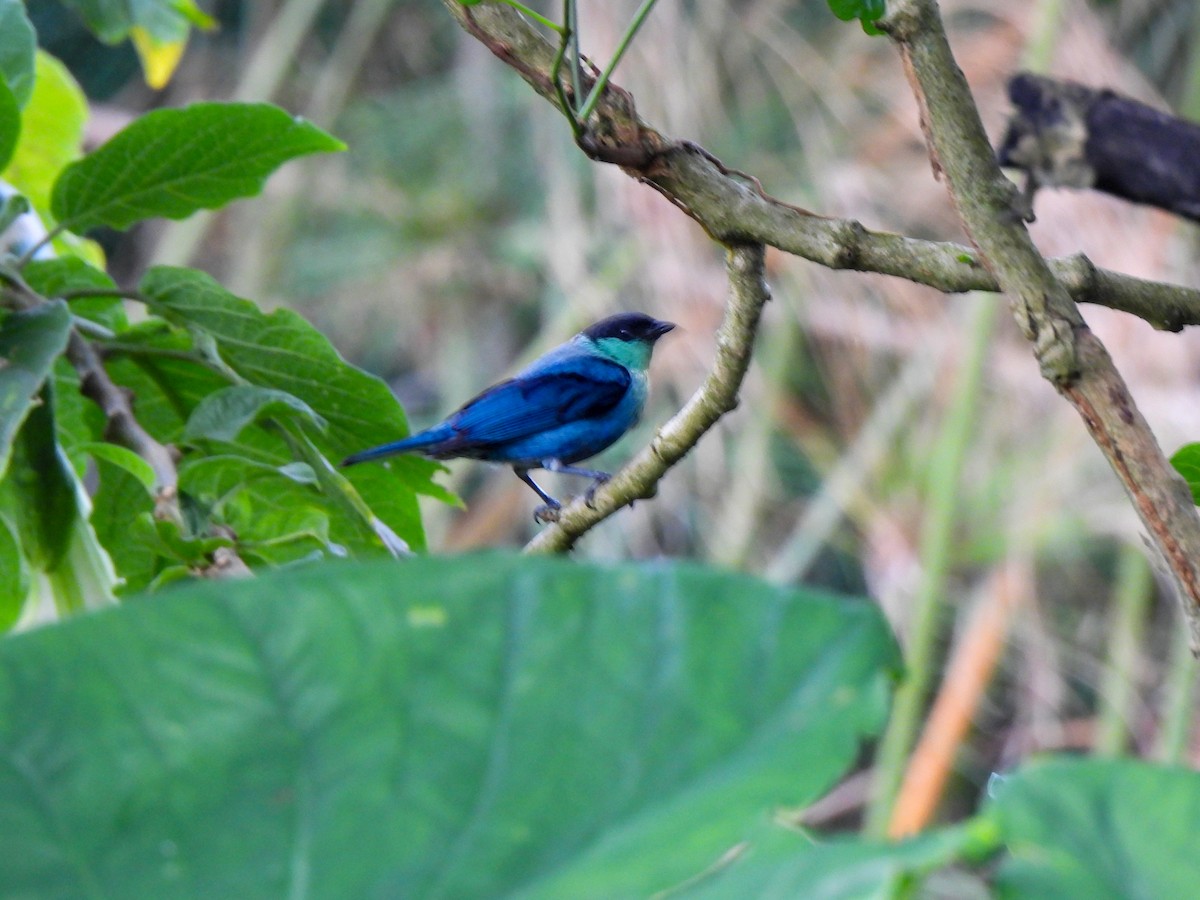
(173, 162)
(10, 124)
(782, 863)
(63, 274)
(223, 415)
(275, 512)
(18, 46)
(125, 459)
(473, 727)
(14, 576)
(113, 20)
(51, 132)
(30, 342)
(39, 491)
(282, 351)
(1098, 828)
(13, 207)
(868, 12)
(122, 518)
(77, 420)
(159, 29)
(55, 277)
(44, 501)
(1187, 463)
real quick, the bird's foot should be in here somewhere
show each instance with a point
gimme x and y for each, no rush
(601, 479)
(548, 512)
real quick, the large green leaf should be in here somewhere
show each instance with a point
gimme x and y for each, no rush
(471, 727)
(30, 342)
(1098, 828)
(173, 162)
(18, 45)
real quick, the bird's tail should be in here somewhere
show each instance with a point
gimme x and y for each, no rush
(422, 442)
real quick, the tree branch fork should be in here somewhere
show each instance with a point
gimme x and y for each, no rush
(735, 211)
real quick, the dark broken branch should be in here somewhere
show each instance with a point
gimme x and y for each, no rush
(1063, 134)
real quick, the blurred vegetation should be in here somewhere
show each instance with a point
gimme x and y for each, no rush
(464, 233)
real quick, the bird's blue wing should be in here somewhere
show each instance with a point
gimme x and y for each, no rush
(568, 390)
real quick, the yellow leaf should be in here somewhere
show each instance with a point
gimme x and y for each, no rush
(159, 58)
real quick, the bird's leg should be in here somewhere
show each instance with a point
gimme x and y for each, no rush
(547, 513)
(598, 478)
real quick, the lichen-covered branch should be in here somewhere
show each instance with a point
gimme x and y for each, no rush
(1070, 355)
(733, 208)
(717, 395)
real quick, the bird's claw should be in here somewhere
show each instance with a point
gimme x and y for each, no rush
(548, 512)
(590, 495)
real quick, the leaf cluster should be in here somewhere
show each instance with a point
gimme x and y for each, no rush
(203, 422)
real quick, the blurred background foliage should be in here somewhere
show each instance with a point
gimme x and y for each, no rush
(890, 440)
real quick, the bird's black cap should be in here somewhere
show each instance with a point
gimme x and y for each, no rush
(629, 327)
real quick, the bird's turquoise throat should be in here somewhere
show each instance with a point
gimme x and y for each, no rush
(631, 354)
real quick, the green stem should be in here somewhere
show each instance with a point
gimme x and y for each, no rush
(536, 16)
(593, 98)
(89, 293)
(1131, 598)
(564, 102)
(1174, 737)
(124, 349)
(937, 538)
(572, 28)
(1190, 104)
(24, 259)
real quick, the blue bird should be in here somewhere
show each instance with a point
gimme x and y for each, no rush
(566, 406)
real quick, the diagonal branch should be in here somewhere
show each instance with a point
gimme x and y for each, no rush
(733, 208)
(715, 397)
(1071, 356)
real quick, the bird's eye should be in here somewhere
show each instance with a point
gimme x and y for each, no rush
(625, 335)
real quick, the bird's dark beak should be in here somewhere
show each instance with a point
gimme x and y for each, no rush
(660, 328)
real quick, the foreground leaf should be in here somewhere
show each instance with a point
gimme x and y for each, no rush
(173, 162)
(1098, 828)
(466, 727)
